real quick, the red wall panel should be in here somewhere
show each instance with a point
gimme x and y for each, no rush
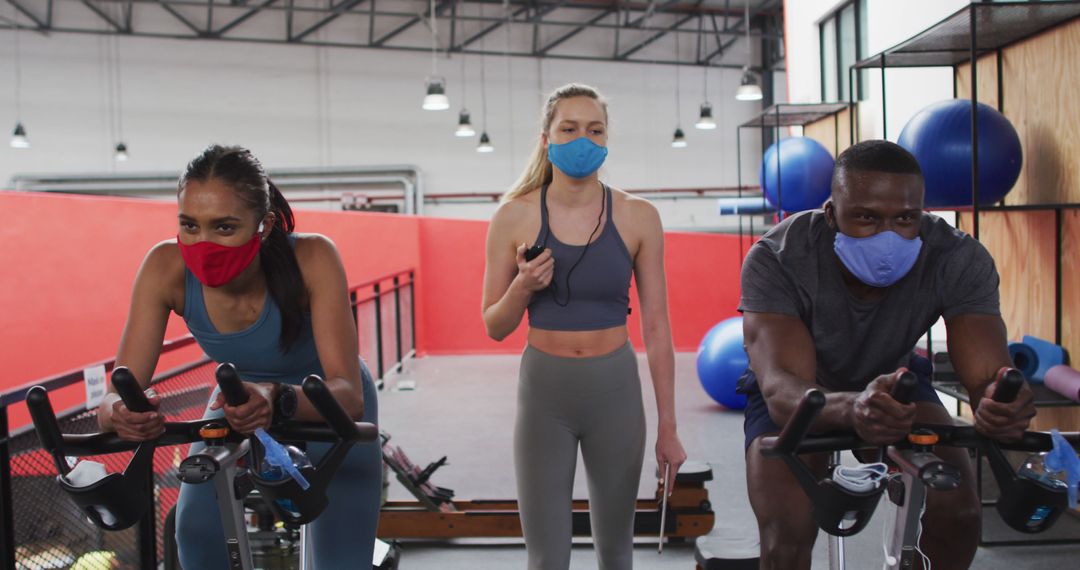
(702, 274)
(69, 263)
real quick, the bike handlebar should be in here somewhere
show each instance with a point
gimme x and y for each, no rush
(330, 409)
(338, 427)
(231, 386)
(1010, 380)
(128, 388)
(904, 389)
(795, 437)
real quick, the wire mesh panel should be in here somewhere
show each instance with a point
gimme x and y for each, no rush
(50, 531)
(388, 330)
(365, 329)
(407, 316)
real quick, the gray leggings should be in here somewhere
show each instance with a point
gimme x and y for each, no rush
(594, 401)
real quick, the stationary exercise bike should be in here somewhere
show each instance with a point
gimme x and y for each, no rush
(1026, 504)
(119, 500)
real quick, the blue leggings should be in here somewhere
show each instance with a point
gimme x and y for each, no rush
(343, 536)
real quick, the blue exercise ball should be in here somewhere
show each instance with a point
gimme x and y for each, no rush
(721, 360)
(796, 174)
(940, 138)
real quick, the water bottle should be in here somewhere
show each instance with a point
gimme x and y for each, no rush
(282, 461)
(271, 472)
(1034, 468)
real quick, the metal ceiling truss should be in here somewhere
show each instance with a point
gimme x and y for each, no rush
(405, 25)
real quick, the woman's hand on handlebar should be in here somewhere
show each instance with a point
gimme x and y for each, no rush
(113, 415)
(535, 275)
(1003, 421)
(256, 413)
(878, 418)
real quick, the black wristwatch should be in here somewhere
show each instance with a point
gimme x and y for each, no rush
(284, 403)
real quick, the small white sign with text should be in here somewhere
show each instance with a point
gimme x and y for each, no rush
(95, 385)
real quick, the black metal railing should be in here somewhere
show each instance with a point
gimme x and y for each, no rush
(40, 528)
(388, 334)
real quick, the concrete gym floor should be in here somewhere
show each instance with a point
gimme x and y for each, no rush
(463, 407)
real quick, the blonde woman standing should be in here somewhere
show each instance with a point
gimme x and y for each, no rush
(564, 245)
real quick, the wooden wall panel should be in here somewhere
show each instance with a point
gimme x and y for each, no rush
(1041, 76)
(1046, 418)
(825, 131)
(988, 91)
(1022, 244)
(1070, 285)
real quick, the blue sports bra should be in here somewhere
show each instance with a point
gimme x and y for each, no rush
(255, 351)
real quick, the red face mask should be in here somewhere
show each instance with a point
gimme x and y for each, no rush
(214, 264)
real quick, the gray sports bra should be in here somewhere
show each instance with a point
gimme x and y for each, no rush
(597, 294)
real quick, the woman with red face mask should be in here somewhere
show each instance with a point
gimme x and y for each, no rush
(276, 305)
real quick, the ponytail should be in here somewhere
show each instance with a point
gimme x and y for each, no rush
(281, 269)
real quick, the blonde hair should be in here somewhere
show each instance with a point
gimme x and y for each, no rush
(537, 172)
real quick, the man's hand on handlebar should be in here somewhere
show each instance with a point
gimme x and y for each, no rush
(257, 412)
(1003, 421)
(878, 418)
(129, 425)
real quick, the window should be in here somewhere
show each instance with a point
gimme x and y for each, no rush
(843, 42)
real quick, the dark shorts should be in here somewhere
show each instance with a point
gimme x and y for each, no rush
(757, 421)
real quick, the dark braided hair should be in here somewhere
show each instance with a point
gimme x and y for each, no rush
(240, 170)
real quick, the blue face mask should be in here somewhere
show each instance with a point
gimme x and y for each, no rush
(879, 260)
(578, 158)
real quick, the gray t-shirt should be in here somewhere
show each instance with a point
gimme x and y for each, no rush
(793, 271)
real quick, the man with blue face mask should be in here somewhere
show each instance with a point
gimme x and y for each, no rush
(836, 299)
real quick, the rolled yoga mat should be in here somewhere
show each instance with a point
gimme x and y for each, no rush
(745, 205)
(1064, 380)
(1034, 356)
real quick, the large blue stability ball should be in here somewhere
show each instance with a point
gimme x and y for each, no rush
(798, 176)
(721, 360)
(940, 138)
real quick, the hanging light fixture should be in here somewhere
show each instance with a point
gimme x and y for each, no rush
(748, 90)
(679, 140)
(120, 151)
(485, 144)
(18, 136)
(435, 99)
(705, 122)
(464, 127)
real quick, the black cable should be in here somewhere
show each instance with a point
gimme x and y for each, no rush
(553, 287)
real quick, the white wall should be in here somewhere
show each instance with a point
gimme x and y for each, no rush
(889, 22)
(300, 106)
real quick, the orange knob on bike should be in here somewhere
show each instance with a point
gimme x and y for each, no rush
(923, 437)
(213, 434)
